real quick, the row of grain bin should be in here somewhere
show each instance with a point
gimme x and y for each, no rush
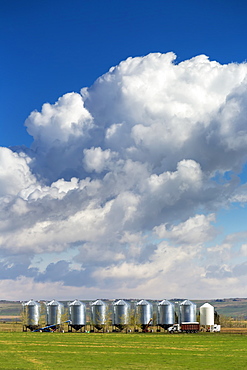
(120, 314)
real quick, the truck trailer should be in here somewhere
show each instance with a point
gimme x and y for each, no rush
(185, 327)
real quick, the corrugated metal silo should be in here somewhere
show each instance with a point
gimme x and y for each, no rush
(77, 311)
(99, 313)
(166, 314)
(121, 313)
(32, 313)
(187, 311)
(144, 313)
(54, 311)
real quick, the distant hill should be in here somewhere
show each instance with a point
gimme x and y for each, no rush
(232, 307)
(10, 308)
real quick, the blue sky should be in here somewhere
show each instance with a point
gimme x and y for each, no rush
(53, 47)
(111, 190)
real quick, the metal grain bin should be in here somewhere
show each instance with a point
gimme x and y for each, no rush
(187, 311)
(32, 313)
(77, 311)
(121, 313)
(54, 311)
(99, 313)
(166, 314)
(144, 312)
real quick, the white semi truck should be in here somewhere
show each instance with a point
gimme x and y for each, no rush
(190, 327)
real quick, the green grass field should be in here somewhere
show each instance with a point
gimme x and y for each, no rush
(122, 351)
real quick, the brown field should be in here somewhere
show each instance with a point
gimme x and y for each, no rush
(7, 317)
(234, 330)
(10, 326)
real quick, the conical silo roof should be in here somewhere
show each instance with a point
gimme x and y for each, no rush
(76, 303)
(205, 305)
(186, 302)
(98, 302)
(165, 302)
(143, 302)
(32, 303)
(120, 302)
(54, 303)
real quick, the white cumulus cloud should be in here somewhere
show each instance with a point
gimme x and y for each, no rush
(129, 175)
